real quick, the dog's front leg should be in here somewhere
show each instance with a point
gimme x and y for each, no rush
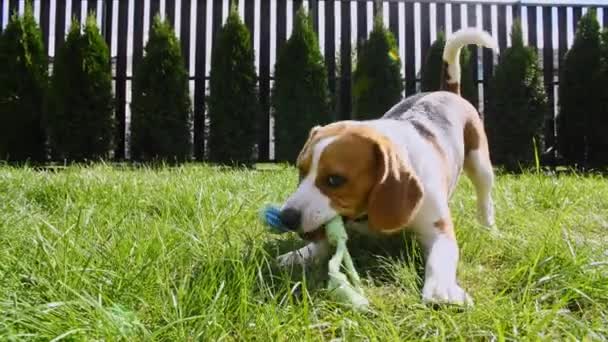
(312, 251)
(441, 249)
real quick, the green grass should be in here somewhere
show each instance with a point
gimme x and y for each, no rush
(178, 254)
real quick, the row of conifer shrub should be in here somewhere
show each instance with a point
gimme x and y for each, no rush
(69, 115)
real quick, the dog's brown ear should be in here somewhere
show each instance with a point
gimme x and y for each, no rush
(397, 194)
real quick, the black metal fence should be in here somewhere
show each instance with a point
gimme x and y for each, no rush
(340, 25)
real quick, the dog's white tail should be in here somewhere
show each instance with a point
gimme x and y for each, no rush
(450, 77)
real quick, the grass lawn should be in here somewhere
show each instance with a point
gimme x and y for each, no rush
(178, 254)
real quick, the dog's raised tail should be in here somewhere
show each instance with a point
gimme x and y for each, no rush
(450, 75)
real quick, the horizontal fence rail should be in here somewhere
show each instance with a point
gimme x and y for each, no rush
(548, 26)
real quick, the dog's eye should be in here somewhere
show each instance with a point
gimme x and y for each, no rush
(335, 181)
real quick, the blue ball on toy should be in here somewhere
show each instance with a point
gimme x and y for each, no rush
(272, 217)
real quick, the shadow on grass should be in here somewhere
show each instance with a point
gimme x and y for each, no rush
(375, 259)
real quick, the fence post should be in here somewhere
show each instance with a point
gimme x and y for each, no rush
(200, 83)
(345, 62)
(548, 75)
(59, 24)
(473, 62)
(121, 77)
(488, 56)
(45, 9)
(76, 11)
(170, 12)
(264, 132)
(410, 48)
(532, 20)
(330, 52)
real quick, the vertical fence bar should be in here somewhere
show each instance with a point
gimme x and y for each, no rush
(295, 7)
(456, 18)
(532, 23)
(517, 13)
(170, 12)
(184, 35)
(440, 22)
(361, 22)
(59, 24)
(548, 75)
(216, 23)
(314, 14)
(45, 13)
(121, 77)
(2, 15)
(264, 136)
(91, 6)
(577, 12)
(425, 30)
(562, 35)
(330, 52)
(605, 17)
(393, 19)
(199, 80)
(502, 27)
(106, 23)
(473, 62)
(154, 8)
(410, 48)
(138, 32)
(345, 62)
(488, 55)
(76, 11)
(13, 6)
(377, 7)
(250, 19)
(281, 22)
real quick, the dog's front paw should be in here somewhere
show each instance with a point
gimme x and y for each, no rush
(289, 259)
(443, 292)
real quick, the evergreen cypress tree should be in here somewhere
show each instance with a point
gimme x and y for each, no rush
(300, 96)
(23, 86)
(161, 106)
(516, 117)
(377, 79)
(431, 70)
(81, 119)
(579, 91)
(233, 102)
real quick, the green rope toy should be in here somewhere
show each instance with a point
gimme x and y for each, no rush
(338, 284)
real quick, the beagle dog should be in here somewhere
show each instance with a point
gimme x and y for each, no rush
(398, 172)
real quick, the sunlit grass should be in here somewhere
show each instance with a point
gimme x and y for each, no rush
(178, 254)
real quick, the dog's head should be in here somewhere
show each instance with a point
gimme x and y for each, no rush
(351, 170)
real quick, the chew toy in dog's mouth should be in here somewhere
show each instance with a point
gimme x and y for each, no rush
(319, 233)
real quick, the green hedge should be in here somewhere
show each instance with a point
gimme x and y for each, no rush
(377, 79)
(23, 87)
(515, 114)
(598, 139)
(233, 99)
(579, 92)
(300, 96)
(81, 119)
(161, 106)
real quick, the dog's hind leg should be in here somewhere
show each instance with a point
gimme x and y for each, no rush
(478, 168)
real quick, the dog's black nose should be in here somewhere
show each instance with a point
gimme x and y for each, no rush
(291, 218)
